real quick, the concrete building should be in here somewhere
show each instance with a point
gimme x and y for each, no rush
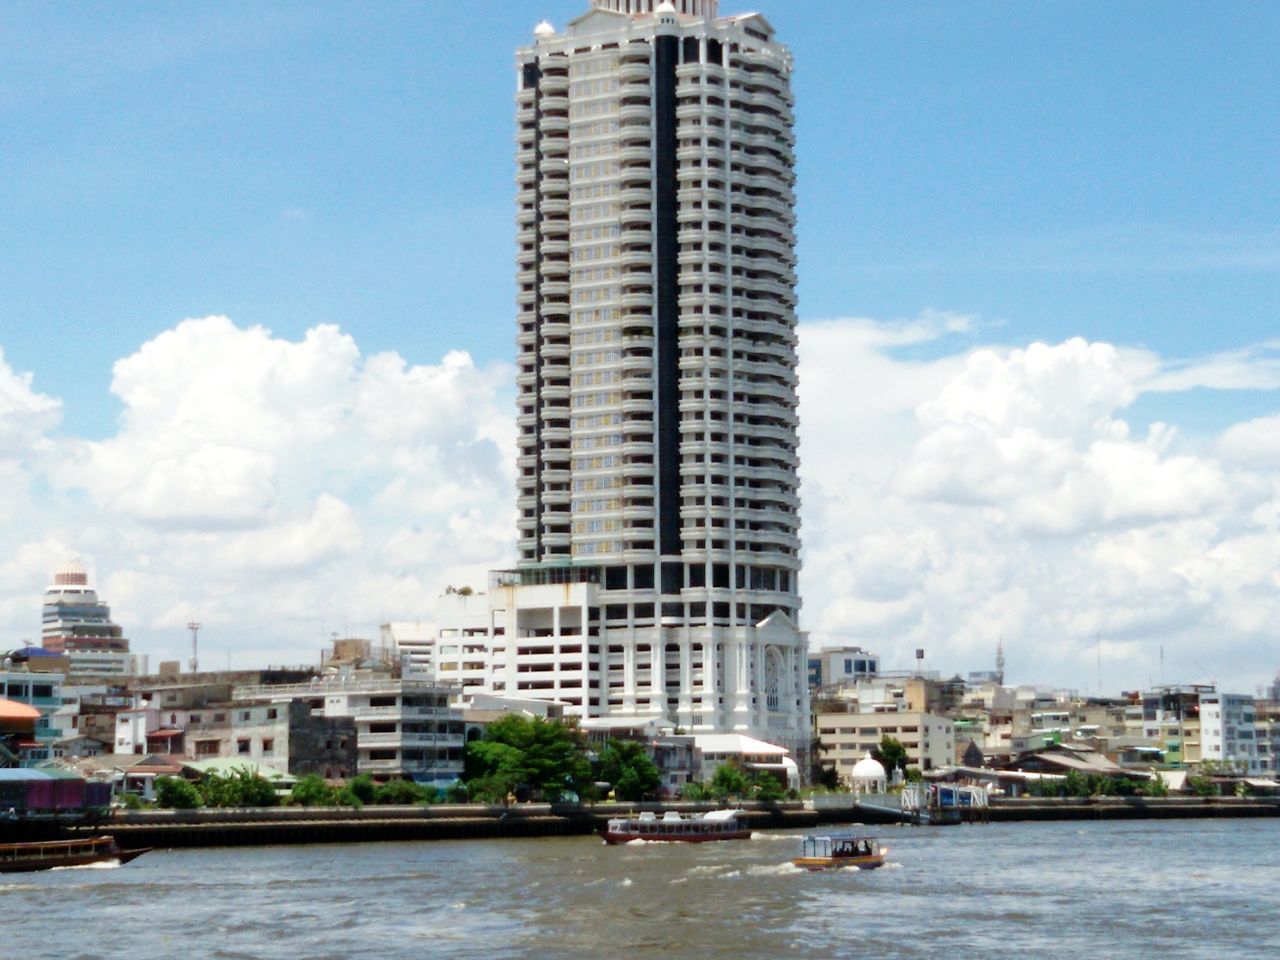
(43, 691)
(846, 738)
(1171, 721)
(1228, 732)
(76, 623)
(839, 666)
(403, 728)
(658, 519)
(284, 734)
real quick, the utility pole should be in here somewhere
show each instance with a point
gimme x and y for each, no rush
(194, 664)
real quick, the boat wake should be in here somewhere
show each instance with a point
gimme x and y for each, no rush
(785, 837)
(773, 870)
(102, 865)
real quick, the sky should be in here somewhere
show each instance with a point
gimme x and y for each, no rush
(257, 324)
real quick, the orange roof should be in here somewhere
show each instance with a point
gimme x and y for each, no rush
(12, 710)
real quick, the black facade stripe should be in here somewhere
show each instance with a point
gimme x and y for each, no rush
(532, 78)
(667, 266)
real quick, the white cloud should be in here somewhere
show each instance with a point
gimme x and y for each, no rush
(1019, 507)
(955, 495)
(277, 490)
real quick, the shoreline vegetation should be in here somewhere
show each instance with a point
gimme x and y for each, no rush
(288, 825)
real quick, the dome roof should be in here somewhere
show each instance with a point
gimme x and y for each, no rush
(72, 573)
(666, 6)
(868, 768)
(544, 29)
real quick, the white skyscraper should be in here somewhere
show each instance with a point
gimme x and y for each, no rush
(658, 507)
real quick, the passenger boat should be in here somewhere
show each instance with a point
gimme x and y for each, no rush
(834, 850)
(47, 854)
(713, 825)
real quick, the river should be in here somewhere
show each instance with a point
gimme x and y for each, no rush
(1185, 888)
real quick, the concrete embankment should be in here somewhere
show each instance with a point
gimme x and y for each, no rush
(1129, 808)
(285, 825)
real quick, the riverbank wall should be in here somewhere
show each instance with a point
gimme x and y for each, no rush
(287, 825)
(1006, 809)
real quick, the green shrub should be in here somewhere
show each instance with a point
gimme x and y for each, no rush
(238, 788)
(312, 791)
(400, 792)
(130, 801)
(362, 788)
(174, 793)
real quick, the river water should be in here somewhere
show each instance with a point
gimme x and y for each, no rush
(1189, 888)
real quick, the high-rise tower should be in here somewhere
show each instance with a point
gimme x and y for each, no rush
(658, 507)
(657, 304)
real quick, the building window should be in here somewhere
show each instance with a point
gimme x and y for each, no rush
(242, 745)
(268, 745)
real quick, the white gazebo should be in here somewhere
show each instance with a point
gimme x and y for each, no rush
(868, 776)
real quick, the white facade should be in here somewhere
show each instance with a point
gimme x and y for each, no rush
(658, 505)
(1228, 733)
(841, 665)
(132, 727)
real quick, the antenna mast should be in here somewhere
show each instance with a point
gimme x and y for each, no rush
(195, 633)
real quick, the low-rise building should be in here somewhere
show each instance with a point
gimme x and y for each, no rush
(281, 733)
(836, 666)
(846, 738)
(43, 691)
(1171, 721)
(404, 728)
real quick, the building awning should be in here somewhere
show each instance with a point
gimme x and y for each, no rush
(13, 710)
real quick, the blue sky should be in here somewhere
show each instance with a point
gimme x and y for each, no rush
(1098, 178)
(1095, 169)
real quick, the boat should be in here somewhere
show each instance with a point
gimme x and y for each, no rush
(672, 827)
(47, 854)
(834, 850)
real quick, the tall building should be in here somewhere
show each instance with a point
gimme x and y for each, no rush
(658, 506)
(78, 625)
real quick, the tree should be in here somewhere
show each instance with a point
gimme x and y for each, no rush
(767, 788)
(1202, 786)
(696, 792)
(828, 777)
(362, 787)
(402, 792)
(238, 788)
(312, 791)
(891, 755)
(1155, 787)
(176, 793)
(625, 764)
(521, 754)
(729, 781)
